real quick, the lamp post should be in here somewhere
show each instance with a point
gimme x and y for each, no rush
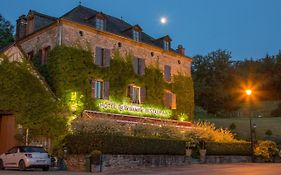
(252, 126)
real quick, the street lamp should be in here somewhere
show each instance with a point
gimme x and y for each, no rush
(252, 127)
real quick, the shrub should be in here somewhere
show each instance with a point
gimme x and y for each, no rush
(266, 150)
(99, 126)
(84, 143)
(228, 148)
(208, 132)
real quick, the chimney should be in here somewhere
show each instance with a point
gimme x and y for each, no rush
(180, 49)
(21, 27)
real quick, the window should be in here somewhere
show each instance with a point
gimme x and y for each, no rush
(13, 150)
(167, 73)
(137, 94)
(102, 57)
(166, 45)
(100, 89)
(99, 24)
(136, 35)
(134, 93)
(139, 66)
(170, 100)
(44, 54)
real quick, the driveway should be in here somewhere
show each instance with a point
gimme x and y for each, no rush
(197, 169)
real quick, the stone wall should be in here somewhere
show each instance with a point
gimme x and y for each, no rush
(113, 163)
(41, 39)
(70, 34)
(228, 159)
(92, 38)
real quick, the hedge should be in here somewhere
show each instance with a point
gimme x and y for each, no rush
(84, 143)
(113, 144)
(235, 148)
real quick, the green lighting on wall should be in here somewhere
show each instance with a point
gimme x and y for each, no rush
(133, 109)
(74, 101)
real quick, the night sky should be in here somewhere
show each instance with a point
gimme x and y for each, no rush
(247, 28)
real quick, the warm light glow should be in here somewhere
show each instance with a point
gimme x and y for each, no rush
(248, 92)
(163, 20)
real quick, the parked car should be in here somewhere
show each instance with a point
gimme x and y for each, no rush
(23, 157)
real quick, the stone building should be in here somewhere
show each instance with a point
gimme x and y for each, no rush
(38, 34)
(102, 34)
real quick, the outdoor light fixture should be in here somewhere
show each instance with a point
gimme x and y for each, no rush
(248, 92)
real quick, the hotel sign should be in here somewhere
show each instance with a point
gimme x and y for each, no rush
(133, 109)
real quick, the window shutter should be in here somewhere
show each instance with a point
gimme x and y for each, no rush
(106, 90)
(174, 101)
(167, 73)
(98, 60)
(107, 58)
(93, 88)
(142, 94)
(135, 65)
(142, 66)
(130, 91)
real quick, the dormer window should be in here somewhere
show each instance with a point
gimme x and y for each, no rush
(166, 45)
(136, 35)
(164, 42)
(100, 23)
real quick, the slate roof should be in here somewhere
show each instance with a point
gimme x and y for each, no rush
(85, 16)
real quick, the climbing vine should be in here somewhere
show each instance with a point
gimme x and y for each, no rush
(70, 71)
(33, 105)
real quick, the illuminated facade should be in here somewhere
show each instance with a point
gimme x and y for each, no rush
(38, 34)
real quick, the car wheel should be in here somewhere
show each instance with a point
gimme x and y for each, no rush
(1, 165)
(45, 168)
(22, 165)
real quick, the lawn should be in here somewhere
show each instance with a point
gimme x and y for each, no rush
(243, 129)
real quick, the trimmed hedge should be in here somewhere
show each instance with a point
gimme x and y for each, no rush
(235, 148)
(84, 143)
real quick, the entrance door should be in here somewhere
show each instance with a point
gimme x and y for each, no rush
(8, 130)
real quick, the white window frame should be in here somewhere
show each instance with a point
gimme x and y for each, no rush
(166, 45)
(99, 24)
(98, 89)
(136, 96)
(136, 35)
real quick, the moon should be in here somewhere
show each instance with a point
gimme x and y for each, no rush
(163, 20)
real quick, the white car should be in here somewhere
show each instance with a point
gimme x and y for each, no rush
(23, 157)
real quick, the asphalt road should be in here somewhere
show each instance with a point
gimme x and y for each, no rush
(197, 169)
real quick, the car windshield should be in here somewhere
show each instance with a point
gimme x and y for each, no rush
(32, 150)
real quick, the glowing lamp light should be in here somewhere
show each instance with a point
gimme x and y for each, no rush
(248, 92)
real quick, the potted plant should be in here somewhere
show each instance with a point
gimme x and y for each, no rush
(202, 151)
(188, 151)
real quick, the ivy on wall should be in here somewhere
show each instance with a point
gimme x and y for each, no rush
(70, 70)
(33, 105)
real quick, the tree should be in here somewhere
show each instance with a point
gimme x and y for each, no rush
(6, 32)
(34, 106)
(212, 75)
